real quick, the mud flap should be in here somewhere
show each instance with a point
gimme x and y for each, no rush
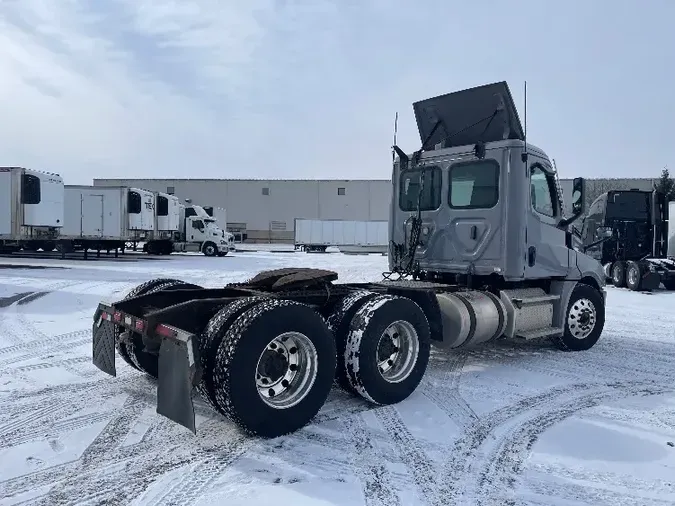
(178, 374)
(103, 343)
(651, 280)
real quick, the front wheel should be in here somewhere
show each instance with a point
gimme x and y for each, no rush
(584, 319)
(210, 249)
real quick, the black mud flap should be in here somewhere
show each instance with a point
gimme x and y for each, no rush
(178, 374)
(103, 343)
(651, 280)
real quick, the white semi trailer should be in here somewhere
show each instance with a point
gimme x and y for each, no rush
(31, 209)
(185, 229)
(105, 218)
(349, 236)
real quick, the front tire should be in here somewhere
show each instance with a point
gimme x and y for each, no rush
(210, 249)
(274, 368)
(584, 319)
(387, 349)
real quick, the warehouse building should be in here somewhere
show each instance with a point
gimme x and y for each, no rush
(265, 210)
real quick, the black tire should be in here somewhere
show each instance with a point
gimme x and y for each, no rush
(210, 249)
(130, 345)
(210, 341)
(634, 272)
(582, 295)
(619, 274)
(338, 321)
(234, 374)
(361, 350)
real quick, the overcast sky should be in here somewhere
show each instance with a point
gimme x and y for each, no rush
(283, 89)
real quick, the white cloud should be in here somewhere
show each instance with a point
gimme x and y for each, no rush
(79, 97)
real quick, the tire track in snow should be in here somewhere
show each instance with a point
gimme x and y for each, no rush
(412, 455)
(505, 464)
(445, 393)
(370, 464)
(65, 341)
(464, 456)
(482, 473)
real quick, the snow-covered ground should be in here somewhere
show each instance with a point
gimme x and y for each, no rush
(507, 424)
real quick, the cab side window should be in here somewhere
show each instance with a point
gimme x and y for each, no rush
(543, 195)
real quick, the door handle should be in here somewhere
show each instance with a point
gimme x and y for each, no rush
(474, 232)
(531, 256)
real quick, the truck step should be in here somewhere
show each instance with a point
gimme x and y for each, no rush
(545, 332)
(539, 299)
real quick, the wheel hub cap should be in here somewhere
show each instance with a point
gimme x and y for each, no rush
(581, 318)
(286, 370)
(397, 351)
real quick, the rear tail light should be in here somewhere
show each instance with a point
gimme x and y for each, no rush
(139, 325)
(117, 316)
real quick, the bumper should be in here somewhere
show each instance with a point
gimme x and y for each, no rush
(178, 369)
(223, 248)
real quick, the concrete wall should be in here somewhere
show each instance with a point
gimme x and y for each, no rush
(267, 209)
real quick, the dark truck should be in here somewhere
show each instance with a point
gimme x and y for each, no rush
(479, 251)
(635, 253)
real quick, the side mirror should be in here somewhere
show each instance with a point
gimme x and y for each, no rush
(578, 194)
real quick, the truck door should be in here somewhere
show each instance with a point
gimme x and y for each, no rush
(197, 232)
(546, 252)
(92, 215)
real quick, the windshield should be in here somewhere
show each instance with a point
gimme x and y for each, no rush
(209, 223)
(628, 206)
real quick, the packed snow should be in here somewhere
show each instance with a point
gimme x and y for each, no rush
(510, 423)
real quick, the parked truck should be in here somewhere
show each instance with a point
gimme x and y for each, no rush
(185, 229)
(105, 218)
(31, 209)
(348, 236)
(479, 251)
(636, 253)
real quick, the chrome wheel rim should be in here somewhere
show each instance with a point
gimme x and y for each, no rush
(286, 370)
(632, 276)
(397, 351)
(581, 318)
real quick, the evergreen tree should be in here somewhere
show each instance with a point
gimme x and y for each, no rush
(666, 184)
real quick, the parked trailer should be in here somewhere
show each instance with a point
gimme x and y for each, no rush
(105, 218)
(196, 232)
(492, 263)
(348, 235)
(31, 209)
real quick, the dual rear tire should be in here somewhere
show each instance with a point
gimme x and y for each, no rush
(269, 364)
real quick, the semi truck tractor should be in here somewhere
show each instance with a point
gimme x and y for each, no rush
(479, 251)
(186, 229)
(635, 253)
(31, 209)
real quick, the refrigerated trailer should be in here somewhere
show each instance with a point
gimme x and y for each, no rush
(105, 218)
(348, 235)
(31, 209)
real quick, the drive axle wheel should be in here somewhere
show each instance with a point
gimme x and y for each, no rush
(387, 350)
(584, 319)
(274, 368)
(130, 345)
